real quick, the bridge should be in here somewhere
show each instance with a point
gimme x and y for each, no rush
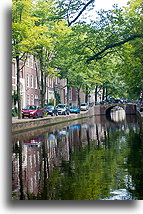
(105, 109)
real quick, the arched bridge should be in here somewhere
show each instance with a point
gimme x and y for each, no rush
(106, 108)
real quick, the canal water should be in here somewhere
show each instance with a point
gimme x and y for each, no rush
(96, 158)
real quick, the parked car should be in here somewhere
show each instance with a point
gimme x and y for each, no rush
(141, 107)
(51, 110)
(63, 109)
(32, 111)
(75, 109)
(84, 107)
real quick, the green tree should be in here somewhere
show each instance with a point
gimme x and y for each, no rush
(54, 29)
(24, 37)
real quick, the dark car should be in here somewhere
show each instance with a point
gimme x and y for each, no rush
(75, 109)
(140, 107)
(32, 111)
(51, 110)
(63, 109)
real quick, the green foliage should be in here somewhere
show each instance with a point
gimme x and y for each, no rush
(51, 102)
(44, 29)
(93, 170)
(14, 112)
(57, 97)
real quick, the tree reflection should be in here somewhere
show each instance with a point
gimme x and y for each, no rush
(91, 160)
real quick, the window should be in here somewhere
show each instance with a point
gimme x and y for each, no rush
(52, 82)
(28, 99)
(70, 93)
(27, 80)
(49, 82)
(13, 69)
(32, 85)
(32, 99)
(35, 84)
(58, 80)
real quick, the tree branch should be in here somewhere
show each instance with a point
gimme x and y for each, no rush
(83, 9)
(97, 56)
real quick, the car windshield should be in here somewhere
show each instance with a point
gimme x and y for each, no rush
(49, 107)
(61, 106)
(30, 108)
(83, 104)
(74, 107)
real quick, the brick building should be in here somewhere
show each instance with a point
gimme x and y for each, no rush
(30, 93)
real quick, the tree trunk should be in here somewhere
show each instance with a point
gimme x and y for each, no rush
(43, 81)
(18, 87)
(106, 93)
(67, 92)
(86, 95)
(78, 95)
(103, 94)
(96, 94)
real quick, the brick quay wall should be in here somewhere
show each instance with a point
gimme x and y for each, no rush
(140, 118)
(23, 125)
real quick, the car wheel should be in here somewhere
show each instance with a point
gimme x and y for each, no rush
(35, 117)
(42, 115)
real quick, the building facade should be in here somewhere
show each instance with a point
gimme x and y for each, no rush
(29, 88)
(30, 80)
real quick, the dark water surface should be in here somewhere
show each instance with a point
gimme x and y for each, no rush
(96, 158)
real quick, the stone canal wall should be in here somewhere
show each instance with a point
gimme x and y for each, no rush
(23, 125)
(30, 124)
(140, 117)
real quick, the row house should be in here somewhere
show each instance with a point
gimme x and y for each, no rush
(73, 96)
(28, 83)
(30, 93)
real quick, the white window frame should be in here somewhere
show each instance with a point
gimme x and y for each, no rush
(32, 99)
(35, 82)
(27, 80)
(28, 99)
(31, 81)
(70, 93)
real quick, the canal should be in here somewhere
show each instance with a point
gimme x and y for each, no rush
(96, 158)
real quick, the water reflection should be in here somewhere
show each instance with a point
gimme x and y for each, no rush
(90, 159)
(119, 115)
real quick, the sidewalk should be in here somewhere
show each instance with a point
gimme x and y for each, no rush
(27, 124)
(15, 119)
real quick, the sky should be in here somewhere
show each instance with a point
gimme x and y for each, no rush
(101, 4)
(107, 4)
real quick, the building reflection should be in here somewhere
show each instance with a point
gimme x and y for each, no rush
(33, 159)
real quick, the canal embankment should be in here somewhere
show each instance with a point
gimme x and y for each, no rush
(140, 118)
(24, 125)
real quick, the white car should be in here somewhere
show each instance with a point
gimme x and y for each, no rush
(84, 107)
